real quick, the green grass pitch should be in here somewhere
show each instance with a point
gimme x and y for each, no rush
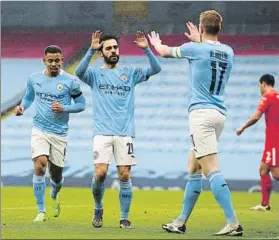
(149, 210)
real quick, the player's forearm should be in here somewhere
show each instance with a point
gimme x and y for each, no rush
(250, 122)
(256, 116)
(83, 65)
(153, 61)
(27, 101)
(163, 50)
(78, 106)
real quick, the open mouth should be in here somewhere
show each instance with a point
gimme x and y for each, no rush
(54, 69)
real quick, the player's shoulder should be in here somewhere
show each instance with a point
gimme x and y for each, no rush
(228, 48)
(190, 45)
(36, 76)
(67, 77)
(271, 94)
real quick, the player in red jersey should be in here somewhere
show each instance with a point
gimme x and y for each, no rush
(269, 105)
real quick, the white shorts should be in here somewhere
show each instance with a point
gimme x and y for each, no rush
(50, 145)
(121, 147)
(205, 126)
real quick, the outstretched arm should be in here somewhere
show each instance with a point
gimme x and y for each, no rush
(165, 50)
(142, 42)
(27, 99)
(162, 50)
(82, 70)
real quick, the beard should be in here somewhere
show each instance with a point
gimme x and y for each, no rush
(54, 71)
(108, 60)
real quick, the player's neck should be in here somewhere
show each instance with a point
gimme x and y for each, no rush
(48, 74)
(268, 89)
(206, 37)
(109, 66)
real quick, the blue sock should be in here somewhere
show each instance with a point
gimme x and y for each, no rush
(222, 195)
(39, 188)
(98, 189)
(125, 198)
(192, 191)
(55, 187)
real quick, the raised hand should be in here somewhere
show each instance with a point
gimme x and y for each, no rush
(18, 110)
(95, 42)
(194, 35)
(154, 38)
(56, 107)
(141, 40)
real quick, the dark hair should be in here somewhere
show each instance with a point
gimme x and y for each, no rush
(53, 49)
(105, 38)
(268, 79)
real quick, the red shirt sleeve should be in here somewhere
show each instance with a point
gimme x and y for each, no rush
(264, 103)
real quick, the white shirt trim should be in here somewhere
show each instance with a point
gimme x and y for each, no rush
(61, 72)
(213, 42)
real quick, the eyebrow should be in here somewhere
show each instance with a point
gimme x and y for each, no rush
(112, 46)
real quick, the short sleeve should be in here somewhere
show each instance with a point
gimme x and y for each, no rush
(186, 50)
(264, 103)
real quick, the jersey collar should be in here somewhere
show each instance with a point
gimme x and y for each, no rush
(61, 72)
(213, 42)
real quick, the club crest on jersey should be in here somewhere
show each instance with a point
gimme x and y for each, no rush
(59, 86)
(124, 77)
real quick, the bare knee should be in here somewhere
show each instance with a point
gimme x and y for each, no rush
(209, 164)
(40, 165)
(193, 165)
(124, 174)
(55, 172)
(100, 172)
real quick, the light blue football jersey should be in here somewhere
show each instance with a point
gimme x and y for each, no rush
(45, 90)
(210, 64)
(113, 99)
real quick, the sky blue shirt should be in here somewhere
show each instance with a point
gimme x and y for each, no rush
(45, 90)
(113, 99)
(210, 64)
(113, 94)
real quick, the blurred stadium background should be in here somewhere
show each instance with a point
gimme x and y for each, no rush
(162, 142)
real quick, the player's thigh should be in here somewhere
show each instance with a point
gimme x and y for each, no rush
(209, 163)
(40, 146)
(102, 149)
(202, 127)
(57, 150)
(193, 165)
(124, 151)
